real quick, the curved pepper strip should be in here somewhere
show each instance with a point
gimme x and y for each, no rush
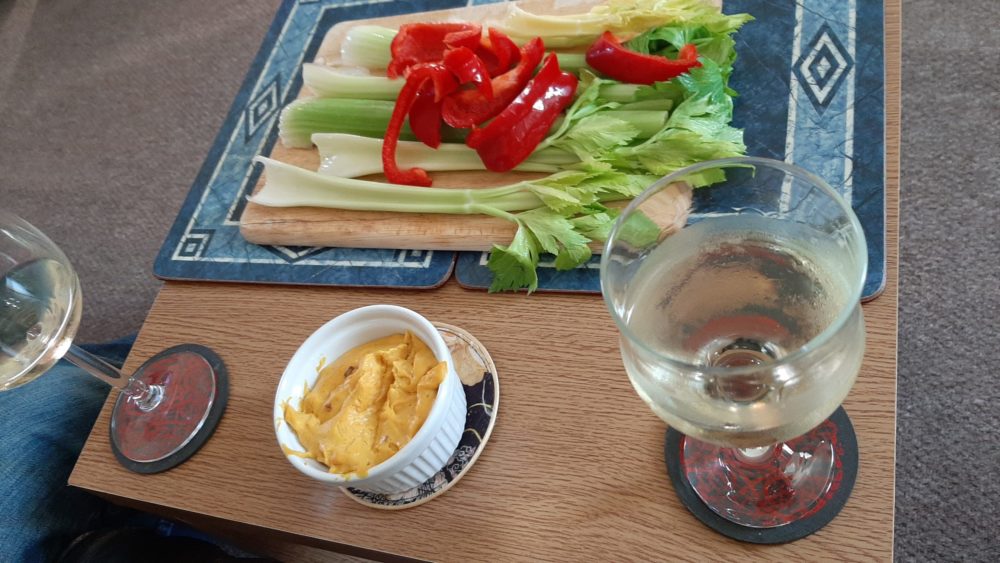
(497, 51)
(417, 43)
(467, 67)
(507, 140)
(503, 48)
(467, 108)
(416, 77)
(425, 116)
(468, 38)
(609, 57)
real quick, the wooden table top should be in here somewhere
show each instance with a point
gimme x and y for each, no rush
(574, 469)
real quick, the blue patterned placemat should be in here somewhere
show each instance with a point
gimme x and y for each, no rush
(810, 76)
(205, 242)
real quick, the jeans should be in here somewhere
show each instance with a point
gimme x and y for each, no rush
(43, 427)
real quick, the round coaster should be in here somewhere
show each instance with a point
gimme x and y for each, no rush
(196, 390)
(482, 394)
(846, 448)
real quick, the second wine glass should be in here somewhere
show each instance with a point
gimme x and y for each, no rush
(741, 327)
(165, 410)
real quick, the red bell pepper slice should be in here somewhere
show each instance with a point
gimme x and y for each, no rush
(416, 43)
(417, 75)
(467, 67)
(507, 140)
(425, 116)
(467, 108)
(503, 48)
(609, 57)
(497, 51)
(468, 38)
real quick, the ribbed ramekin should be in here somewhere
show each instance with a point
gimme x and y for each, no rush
(433, 444)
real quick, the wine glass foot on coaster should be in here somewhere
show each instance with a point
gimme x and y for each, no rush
(478, 373)
(188, 389)
(770, 495)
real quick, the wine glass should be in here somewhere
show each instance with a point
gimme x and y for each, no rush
(741, 327)
(172, 399)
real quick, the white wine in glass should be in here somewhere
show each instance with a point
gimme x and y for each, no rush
(165, 410)
(39, 314)
(742, 329)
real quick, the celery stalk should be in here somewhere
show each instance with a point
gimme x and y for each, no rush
(351, 156)
(290, 186)
(329, 82)
(367, 46)
(619, 92)
(646, 122)
(369, 118)
(621, 17)
(572, 62)
(303, 118)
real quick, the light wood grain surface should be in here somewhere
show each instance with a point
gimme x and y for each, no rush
(574, 470)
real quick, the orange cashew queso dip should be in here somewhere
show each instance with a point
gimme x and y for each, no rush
(368, 404)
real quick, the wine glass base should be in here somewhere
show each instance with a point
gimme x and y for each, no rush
(837, 430)
(195, 389)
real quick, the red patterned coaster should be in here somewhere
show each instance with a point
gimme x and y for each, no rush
(195, 388)
(784, 500)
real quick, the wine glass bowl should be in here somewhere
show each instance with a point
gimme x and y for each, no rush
(165, 410)
(39, 299)
(742, 327)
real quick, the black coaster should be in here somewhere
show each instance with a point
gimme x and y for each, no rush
(149, 373)
(846, 448)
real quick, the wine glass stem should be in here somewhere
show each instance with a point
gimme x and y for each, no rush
(143, 395)
(755, 455)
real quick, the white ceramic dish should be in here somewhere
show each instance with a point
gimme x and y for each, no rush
(433, 444)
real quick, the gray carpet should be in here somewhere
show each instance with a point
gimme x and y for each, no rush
(107, 109)
(948, 438)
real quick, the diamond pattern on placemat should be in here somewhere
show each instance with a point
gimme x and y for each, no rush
(823, 67)
(195, 243)
(260, 110)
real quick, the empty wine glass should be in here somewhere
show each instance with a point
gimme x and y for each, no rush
(170, 400)
(741, 327)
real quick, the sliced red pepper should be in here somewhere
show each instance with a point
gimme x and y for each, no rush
(507, 140)
(468, 38)
(467, 108)
(490, 61)
(467, 67)
(609, 57)
(503, 48)
(439, 75)
(425, 116)
(417, 75)
(497, 51)
(416, 43)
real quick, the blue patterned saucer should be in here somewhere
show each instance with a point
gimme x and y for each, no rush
(482, 394)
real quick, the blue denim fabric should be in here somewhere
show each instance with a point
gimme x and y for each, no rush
(43, 426)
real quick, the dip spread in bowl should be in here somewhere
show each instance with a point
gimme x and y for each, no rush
(368, 404)
(371, 400)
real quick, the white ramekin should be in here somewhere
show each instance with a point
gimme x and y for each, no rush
(430, 448)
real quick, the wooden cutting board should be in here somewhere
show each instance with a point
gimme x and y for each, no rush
(310, 226)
